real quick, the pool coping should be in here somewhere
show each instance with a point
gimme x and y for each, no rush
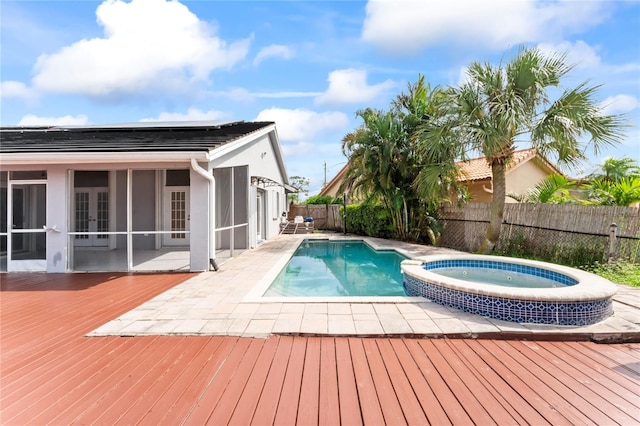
(212, 303)
(589, 286)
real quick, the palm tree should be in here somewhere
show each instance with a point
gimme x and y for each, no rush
(614, 169)
(498, 105)
(379, 165)
(622, 192)
(383, 160)
(553, 189)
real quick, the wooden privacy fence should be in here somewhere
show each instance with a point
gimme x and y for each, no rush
(548, 228)
(325, 217)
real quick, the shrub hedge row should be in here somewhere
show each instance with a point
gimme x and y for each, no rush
(369, 220)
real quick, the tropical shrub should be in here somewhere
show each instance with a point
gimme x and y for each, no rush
(384, 160)
(372, 220)
(323, 199)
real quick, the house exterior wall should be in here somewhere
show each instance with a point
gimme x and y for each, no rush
(57, 214)
(332, 188)
(477, 192)
(524, 177)
(260, 157)
(199, 205)
(518, 181)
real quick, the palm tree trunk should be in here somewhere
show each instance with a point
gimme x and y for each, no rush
(497, 209)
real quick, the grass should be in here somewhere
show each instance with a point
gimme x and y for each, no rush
(620, 272)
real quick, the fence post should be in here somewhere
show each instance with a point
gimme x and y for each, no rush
(344, 212)
(612, 242)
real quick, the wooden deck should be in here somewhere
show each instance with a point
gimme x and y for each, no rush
(51, 374)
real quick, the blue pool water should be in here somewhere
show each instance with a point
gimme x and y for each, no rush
(499, 273)
(321, 268)
(498, 277)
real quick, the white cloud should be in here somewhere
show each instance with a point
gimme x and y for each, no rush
(579, 54)
(239, 94)
(303, 124)
(619, 104)
(147, 44)
(285, 95)
(463, 76)
(586, 57)
(298, 149)
(34, 120)
(16, 89)
(410, 26)
(273, 51)
(192, 114)
(350, 86)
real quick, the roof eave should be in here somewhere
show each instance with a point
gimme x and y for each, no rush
(269, 130)
(100, 157)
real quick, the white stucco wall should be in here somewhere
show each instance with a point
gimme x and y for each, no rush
(199, 205)
(57, 214)
(524, 177)
(261, 157)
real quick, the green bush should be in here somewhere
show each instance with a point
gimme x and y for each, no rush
(620, 272)
(516, 246)
(323, 199)
(575, 254)
(370, 220)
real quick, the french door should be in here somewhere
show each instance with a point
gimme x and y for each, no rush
(176, 216)
(91, 216)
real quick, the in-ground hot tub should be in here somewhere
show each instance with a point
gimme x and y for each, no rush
(510, 289)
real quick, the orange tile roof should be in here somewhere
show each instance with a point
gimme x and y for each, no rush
(479, 169)
(470, 170)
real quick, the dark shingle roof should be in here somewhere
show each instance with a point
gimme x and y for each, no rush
(125, 138)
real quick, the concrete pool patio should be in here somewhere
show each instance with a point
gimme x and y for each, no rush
(229, 302)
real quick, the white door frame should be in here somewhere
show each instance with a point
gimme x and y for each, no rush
(260, 215)
(35, 265)
(173, 223)
(93, 198)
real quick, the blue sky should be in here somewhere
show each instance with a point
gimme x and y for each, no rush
(307, 65)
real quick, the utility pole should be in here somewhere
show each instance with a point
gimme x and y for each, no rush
(325, 174)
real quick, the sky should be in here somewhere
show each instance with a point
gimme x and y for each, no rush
(307, 65)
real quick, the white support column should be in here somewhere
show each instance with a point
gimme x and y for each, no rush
(57, 218)
(71, 208)
(160, 183)
(232, 241)
(129, 220)
(112, 208)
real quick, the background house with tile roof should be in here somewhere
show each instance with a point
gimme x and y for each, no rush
(526, 170)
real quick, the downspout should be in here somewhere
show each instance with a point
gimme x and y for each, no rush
(212, 211)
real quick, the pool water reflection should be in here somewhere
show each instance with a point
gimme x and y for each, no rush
(335, 268)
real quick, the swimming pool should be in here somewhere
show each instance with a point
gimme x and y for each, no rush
(339, 268)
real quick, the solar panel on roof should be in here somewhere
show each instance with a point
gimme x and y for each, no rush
(118, 138)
